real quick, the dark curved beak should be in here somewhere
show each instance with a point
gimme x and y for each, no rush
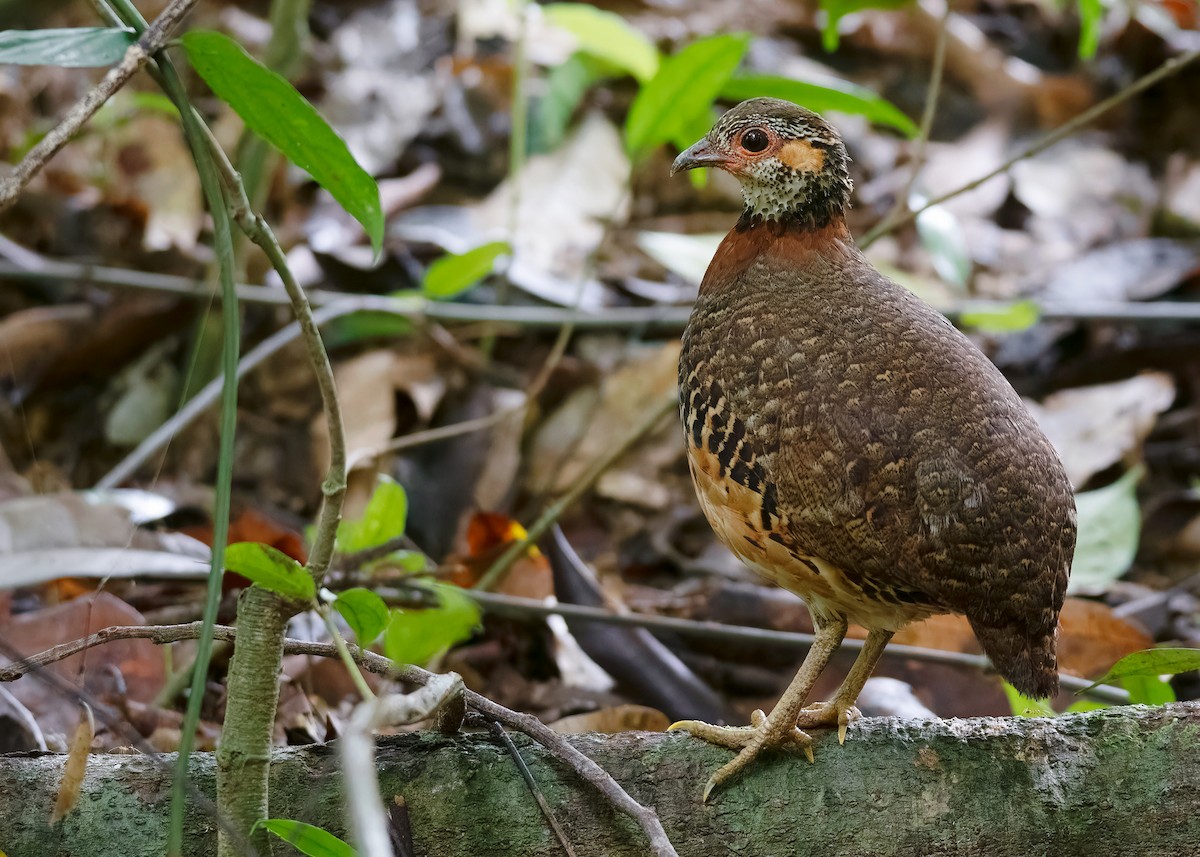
(702, 154)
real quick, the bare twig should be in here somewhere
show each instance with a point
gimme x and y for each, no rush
(918, 161)
(137, 55)
(556, 744)
(497, 730)
(515, 550)
(1168, 68)
(664, 319)
(516, 607)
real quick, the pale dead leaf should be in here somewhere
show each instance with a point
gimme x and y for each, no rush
(82, 534)
(610, 721)
(1094, 427)
(566, 200)
(366, 387)
(75, 767)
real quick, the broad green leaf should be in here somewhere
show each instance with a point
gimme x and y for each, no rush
(454, 273)
(1018, 315)
(76, 47)
(1084, 705)
(1148, 690)
(840, 95)
(365, 324)
(415, 636)
(306, 838)
(835, 10)
(273, 109)
(1091, 15)
(943, 236)
(364, 612)
(382, 520)
(1026, 706)
(565, 86)
(413, 562)
(606, 35)
(686, 84)
(271, 569)
(1153, 663)
(1109, 527)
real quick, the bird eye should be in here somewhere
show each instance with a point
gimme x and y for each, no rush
(755, 140)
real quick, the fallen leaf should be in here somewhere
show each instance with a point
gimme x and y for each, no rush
(610, 721)
(566, 200)
(75, 767)
(1090, 636)
(1093, 428)
(139, 662)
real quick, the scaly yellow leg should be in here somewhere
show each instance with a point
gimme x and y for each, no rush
(779, 729)
(840, 710)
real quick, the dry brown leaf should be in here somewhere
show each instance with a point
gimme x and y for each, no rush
(610, 721)
(1090, 638)
(366, 388)
(32, 339)
(139, 662)
(1095, 427)
(587, 424)
(75, 767)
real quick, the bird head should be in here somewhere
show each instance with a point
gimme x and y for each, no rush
(791, 163)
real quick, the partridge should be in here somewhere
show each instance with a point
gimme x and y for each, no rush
(849, 444)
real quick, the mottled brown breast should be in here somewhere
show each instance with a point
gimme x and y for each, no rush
(837, 423)
(741, 504)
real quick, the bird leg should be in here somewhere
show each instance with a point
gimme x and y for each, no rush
(840, 710)
(777, 730)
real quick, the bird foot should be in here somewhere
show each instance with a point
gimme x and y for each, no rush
(826, 715)
(749, 741)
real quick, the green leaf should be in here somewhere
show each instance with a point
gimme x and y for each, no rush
(76, 47)
(365, 324)
(686, 84)
(835, 10)
(454, 273)
(271, 569)
(364, 612)
(415, 636)
(607, 36)
(306, 838)
(1109, 527)
(1084, 705)
(1026, 706)
(1148, 690)
(1152, 663)
(1091, 14)
(565, 86)
(382, 520)
(839, 95)
(1018, 315)
(273, 109)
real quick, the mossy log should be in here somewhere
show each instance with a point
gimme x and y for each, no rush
(1118, 781)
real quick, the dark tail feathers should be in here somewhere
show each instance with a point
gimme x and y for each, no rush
(1023, 655)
